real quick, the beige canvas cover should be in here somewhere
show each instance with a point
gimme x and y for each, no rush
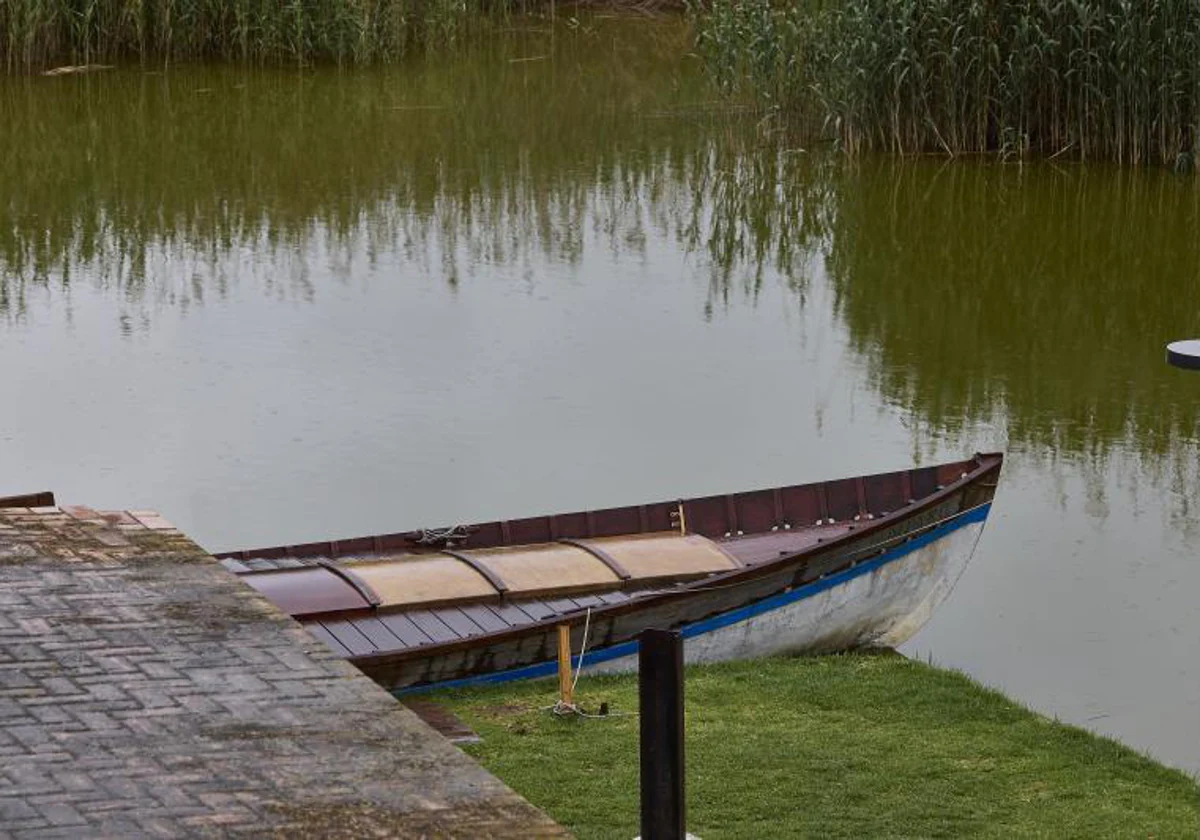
(427, 580)
(545, 569)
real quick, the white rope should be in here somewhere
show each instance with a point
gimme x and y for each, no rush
(587, 623)
(562, 709)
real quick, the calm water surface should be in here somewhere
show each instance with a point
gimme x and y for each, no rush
(556, 272)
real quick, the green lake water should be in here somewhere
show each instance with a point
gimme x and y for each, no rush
(555, 270)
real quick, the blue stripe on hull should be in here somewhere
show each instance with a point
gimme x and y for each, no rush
(773, 602)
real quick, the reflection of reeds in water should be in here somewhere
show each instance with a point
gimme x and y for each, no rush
(1035, 296)
(120, 179)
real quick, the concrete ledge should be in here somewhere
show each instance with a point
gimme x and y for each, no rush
(144, 690)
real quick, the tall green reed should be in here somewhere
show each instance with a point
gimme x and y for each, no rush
(1094, 79)
(37, 34)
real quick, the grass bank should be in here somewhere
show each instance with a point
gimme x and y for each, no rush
(850, 746)
(1089, 79)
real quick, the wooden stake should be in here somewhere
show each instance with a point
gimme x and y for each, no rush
(566, 693)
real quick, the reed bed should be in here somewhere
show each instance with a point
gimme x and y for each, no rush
(1093, 79)
(38, 34)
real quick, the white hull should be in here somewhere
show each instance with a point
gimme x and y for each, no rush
(879, 604)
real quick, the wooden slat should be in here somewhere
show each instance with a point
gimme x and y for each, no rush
(349, 636)
(457, 621)
(377, 633)
(432, 626)
(328, 638)
(512, 613)
(537, 610)
(613, 597)
(487, 620)
(562, 605)
(405, 629)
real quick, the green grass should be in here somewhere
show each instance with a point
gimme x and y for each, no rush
(851, 746)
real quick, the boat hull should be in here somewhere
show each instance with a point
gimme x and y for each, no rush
(829, 566)
(879, 602)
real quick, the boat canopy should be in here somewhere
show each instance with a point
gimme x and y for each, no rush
(566, 567)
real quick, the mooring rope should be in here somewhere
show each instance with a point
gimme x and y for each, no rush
(433, 536)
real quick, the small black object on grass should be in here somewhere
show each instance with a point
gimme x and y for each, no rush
(1184, 354)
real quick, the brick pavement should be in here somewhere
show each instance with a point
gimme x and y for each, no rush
(146, 691)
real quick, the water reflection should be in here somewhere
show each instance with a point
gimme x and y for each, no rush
(1038, 297)
(160, 185)
(1037, 293)
(554, 272)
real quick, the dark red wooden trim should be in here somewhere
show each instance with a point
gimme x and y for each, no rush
(43, 499)
(369, 594)
(490, 534)
(506, 532)
(778, 499)
(644, 518)
(494, 579)
(603, 556)
(731, 517)
(860, 489)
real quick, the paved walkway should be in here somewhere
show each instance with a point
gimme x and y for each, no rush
(144, 690)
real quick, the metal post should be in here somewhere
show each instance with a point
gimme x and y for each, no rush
(660, 699)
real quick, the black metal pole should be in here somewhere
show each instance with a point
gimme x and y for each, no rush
(660, 698)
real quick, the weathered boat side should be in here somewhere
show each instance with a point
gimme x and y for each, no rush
(859, 574)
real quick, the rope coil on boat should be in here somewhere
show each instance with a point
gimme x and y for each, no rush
(440, 536)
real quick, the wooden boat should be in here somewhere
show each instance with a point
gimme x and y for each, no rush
(814, 568)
